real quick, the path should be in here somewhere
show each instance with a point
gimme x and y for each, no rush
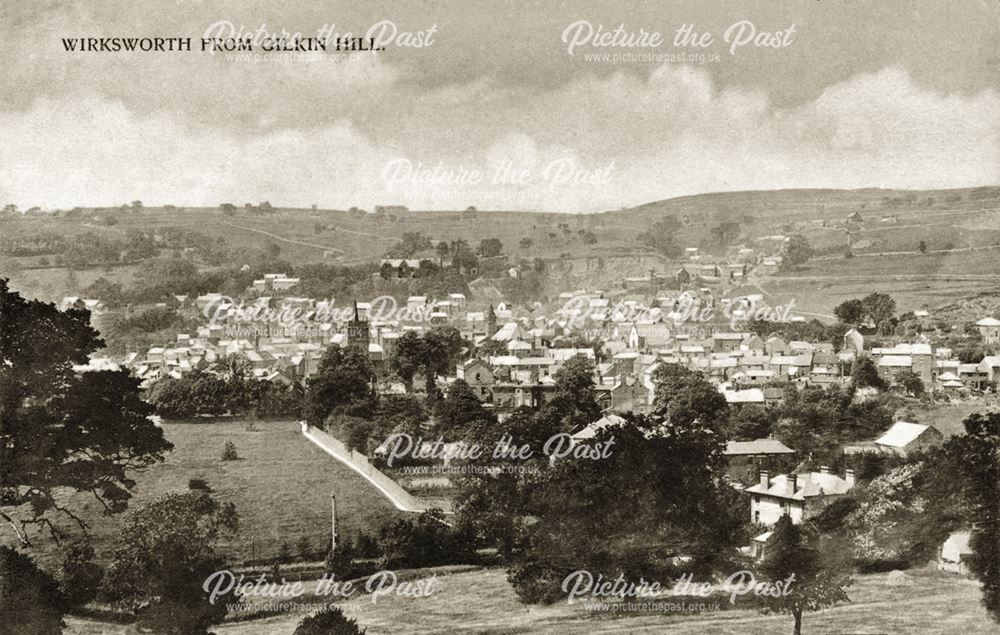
(399, 497)
(286, 240)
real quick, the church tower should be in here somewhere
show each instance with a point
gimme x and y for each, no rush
(491, 322)
(358, 335)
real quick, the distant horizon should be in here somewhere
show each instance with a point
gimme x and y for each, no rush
(573, 107)
(369, 210)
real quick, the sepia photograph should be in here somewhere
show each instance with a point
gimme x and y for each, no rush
(497, 317)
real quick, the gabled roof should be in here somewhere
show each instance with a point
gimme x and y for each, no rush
(901, 434)
(750, 395)
(757, 446)
(807, 485)
(591, 430)
(895, 361)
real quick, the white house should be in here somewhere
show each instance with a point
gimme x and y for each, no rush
(797, 496)
(955, 552)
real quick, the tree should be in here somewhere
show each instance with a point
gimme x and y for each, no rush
(797, 252)
(328, 621)
(976, 457)
(344, 381)
(879, 307)
(910, 382)
(400, 413)
(30, 601)
(491, 503)
(904, 514)
(815, 580)
(573, 403)
(426, 542)
(726, 232)
(922, 247)
(87, 432)
(462, 256)
(304, 548)
(490, 248)
(850, 311)
(661, 236)
(80, 576)
(165, 552)
(229, 452)
(442, 347)
(865, 374)
(228, 209)
(685, 398)
(459, 409)
(525, 243)
(284, 552)
(659, 495)
(409, 245)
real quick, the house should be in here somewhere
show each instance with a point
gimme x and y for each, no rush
(591, 429)
(989, 367)
(776, 345)
(798, 496)
(854, 342)
(989, 330)
(749, 395)
(747, 458)
(479, 376)
(904, 437)
(955, 553)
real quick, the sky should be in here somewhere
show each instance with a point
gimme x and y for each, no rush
(495, 110)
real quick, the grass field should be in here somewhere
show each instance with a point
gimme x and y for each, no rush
(925, 602)
(887, 257)
(281, 486)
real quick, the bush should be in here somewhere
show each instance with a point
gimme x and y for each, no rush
(229, 452)
(304, 548)
(537, 582)
(80, 577)
(200, 484)
(428, 542)
(30, 601)
(340, 561)
(329, 621)
(284, 552)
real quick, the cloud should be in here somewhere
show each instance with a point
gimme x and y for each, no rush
(625, 139)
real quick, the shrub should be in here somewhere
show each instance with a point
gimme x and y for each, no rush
(537, 582)
(80, 577)
(30, 601)
(284, 552)
(229, 452)
(329, 621)
(427, 542)
(304, 548)
(200, 484)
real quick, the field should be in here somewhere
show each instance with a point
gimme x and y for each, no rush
(923, 601)
(281, 486)
(960, 230)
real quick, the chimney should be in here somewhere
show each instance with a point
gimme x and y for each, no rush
(824, 469)
(849, 477)
(764, 480)
(792, 480)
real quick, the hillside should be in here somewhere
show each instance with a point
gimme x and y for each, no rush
(281, 486)
(958, 231)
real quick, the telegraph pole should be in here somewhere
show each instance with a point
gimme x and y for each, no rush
(333, 523)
